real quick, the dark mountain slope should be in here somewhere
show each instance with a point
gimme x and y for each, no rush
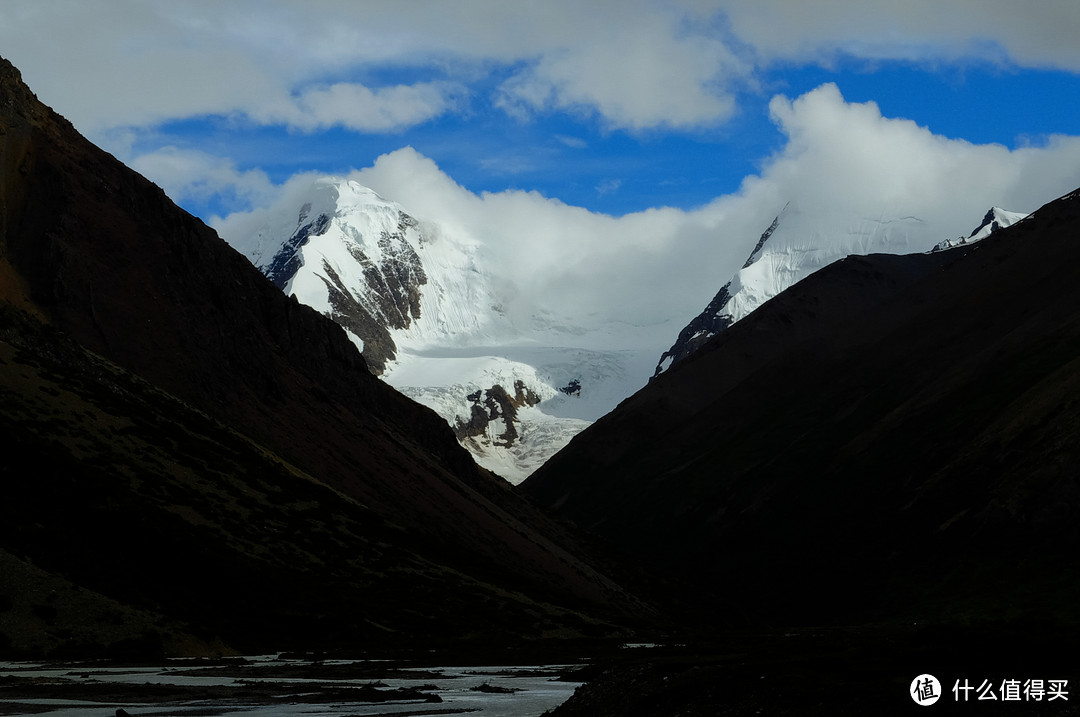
(891, 438)
(172, 531)
(268, 394)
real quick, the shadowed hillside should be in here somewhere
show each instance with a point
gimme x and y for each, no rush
(874, 476)
(892, 439)
(189, 445)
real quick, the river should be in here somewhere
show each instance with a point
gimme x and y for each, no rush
(271, 686)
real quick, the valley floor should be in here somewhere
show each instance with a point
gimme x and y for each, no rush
(987, 670)
(275, 687)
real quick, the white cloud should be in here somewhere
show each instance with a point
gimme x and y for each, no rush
(1035, 33)
(354, 106)
(126, 63)
(191, 174)
(572, 142)
(136, 63)
(637, 73)
(608, 186)
(841, 154)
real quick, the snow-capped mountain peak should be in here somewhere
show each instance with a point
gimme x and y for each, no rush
(799, 242)
(346, 251)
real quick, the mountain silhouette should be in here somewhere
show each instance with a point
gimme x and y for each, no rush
(890, 439)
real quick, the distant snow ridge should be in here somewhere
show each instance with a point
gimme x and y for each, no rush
(995, 219)
(797, 244)
(429, 312)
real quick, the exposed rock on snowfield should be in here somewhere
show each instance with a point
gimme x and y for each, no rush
(714, 319)
(492, 406)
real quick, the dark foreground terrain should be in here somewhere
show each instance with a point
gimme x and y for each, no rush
(835, 671)
(194, 463)
(811, 671)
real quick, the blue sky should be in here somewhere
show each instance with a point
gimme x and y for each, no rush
(576, 158)
(650, 141)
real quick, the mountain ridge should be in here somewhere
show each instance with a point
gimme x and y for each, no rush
(885, 414)
(100, 254)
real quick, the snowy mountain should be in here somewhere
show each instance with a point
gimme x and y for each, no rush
(365, 262)
(797, 243)
(438, 321)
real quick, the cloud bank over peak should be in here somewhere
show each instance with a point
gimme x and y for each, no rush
(847, 153)
(650, 271)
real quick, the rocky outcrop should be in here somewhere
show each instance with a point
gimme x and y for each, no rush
(390, 299)
(573, 388)
(492, 406)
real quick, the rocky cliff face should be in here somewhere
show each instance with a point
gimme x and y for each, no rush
(390, 273)
(273, 404)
